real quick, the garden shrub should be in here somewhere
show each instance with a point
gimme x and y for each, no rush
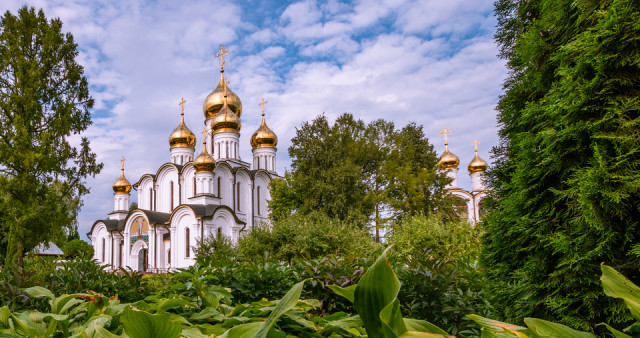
(77, 248)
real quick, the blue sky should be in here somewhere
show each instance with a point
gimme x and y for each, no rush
(432, 62)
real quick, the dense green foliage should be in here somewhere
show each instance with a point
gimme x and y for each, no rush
(566, 177)
(307, 236)
(44, 99)
(77, 248)
(358, 173)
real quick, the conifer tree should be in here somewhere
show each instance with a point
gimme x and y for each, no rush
(44, 100)
(566, 178)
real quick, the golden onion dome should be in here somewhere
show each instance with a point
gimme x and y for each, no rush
(264, 136)
(477, 164)
(182, 136)
(122, 185)
(225, 120)
(448, 160)
(215, 100)
(204, 162)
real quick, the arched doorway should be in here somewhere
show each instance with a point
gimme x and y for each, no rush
(142, 259)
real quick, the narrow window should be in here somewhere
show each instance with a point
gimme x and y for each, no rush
(238, 196)
(219, 190)
(169, 256)
(194, 185)
(186, 242)
(171, 188)
(219, 234)
(103, 248)
(150, 199)
(258, 198)
(265, 163)
(227, 150)
(218, 150)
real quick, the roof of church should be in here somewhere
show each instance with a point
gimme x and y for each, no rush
(154, 217)
(209, 210)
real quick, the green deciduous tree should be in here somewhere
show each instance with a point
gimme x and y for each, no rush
(361, 173)
(566, 176)
(44, 100)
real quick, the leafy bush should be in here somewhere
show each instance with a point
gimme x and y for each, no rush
(308, 237)
(215, 251)
(415, 234)
(77, 248)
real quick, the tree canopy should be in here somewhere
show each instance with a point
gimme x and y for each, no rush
(44, 101)
(566, 176)
(360, 172)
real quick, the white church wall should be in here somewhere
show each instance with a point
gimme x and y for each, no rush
(223, 219)
(468, 198)
(144, 195)
(261, 196)
(187, 176)
(100, 239)
(166, 178)
(182, 220)
(223, 171)
(243, 203)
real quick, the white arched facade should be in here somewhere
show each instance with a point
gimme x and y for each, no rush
(185, 232)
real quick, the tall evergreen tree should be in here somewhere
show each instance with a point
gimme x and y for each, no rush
(44, 99)
(566, 179)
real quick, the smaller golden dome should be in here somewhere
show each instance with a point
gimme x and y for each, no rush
(477, 164)
(264, 136)
(448, 160)
(122, 185)
(182, 136)
(204, 162)
(215, 101)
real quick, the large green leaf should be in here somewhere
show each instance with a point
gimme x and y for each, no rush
(418, 325)
(39, 317)
(543, 328)
(491, 325)
(287, 302)
(392, 322)
(615, 332)
(168, 304)
(39, 291)
(139, 324)
(376, 290)
(347, 292)
(243, 330)
(618, 286)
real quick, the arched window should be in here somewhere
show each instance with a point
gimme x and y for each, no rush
(219, 189)
(238, 196)
(186, 243)
(219, 234)
(171, 188)
(103, 248)
(194, 185)
(258, 198)
(218, 150)
(227, 150)
(150, 199)
(169, 256)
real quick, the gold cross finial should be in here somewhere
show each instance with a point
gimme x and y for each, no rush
(182, 102)
(445, 132)
(221, 56)
(122, 161)
(475, 144)
(204, 133)
(225, 84)
(262, 104)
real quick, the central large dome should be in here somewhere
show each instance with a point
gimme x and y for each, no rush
(215, 100)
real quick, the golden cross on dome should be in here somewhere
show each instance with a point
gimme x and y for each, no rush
(225, 84)
(475, 144)
(204, 133)
(221, 56)
(262, 104)
(445, 132)
(122, 161)
(182, 102)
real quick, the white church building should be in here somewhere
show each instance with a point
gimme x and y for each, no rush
(191, 197)
(471, 209)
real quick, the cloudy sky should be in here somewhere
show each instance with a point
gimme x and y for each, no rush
(429, 61)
